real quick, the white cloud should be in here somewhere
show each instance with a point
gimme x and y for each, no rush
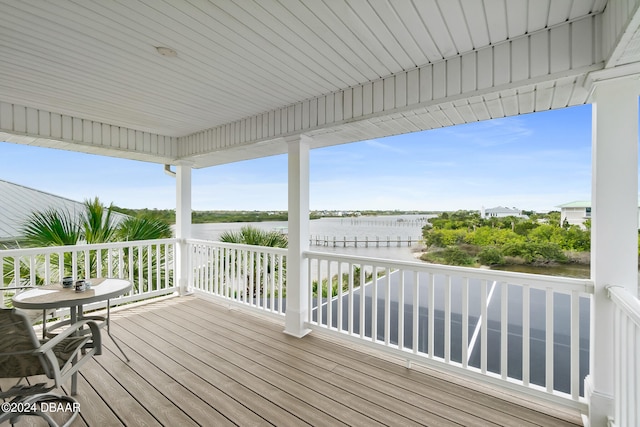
(376, 143)
(490, 133)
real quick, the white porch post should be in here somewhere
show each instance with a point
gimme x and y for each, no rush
(183, 225)
(614, 232)
(297, 270)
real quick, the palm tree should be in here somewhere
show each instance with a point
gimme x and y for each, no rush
(51, 228)
(249, 235)
(95, 225)
(141, 228)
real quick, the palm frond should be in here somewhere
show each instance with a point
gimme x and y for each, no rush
(141, 228)
(98, 225)
(249, 235)
(51, 228)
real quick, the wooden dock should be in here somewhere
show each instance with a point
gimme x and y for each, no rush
(366, 242)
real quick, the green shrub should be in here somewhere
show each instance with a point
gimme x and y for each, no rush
(490, 256)
(453, 255)
(533, 252)
(443, 238)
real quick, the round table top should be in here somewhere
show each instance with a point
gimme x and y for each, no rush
(55, 296)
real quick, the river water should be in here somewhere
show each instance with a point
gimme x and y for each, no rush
(403, 227)
(410, 226)
(381, 228)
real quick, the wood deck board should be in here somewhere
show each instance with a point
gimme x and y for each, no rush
(149, 367)
(164, 411)
(222, 408)
(204, 365)
(245, 372)
(366, 367)
(123, 404)
(94, 409)
(272, 368)
(197, 362)
(382, 406)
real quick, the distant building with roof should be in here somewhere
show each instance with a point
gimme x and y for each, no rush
(576, 213)
(501, 212)
(18, 202)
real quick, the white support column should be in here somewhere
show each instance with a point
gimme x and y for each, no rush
(183, 226)
(297, 268)
(614, 232)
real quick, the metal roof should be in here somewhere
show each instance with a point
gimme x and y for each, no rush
(17, 202)
(502, 209)
(581, 204)
(576, 204)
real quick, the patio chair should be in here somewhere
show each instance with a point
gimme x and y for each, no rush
(22, 355)
(34, 316)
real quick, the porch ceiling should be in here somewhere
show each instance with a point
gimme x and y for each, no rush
(86, 75)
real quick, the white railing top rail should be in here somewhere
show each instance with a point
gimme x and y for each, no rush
(627, 302)
(279, 251)
(539, 281)
(82, 247)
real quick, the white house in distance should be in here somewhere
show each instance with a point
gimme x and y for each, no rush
(501, 212)
(576, 213)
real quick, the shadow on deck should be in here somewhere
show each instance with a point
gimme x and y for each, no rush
(196, 362)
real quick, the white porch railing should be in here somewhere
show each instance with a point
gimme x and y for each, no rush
(148, 265)
(528, 333)
(253, 276)
(626, 357)
(518, 330)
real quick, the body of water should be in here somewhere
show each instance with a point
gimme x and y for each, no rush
(411, 226)
(371, 227)
(374, 227)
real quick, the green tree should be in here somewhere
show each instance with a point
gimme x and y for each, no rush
(533, 252)
(539, 239)
(543, 233)
(142, 228)
(96, 224)
(249, 235)
(490, 255)
(452, 255)
(486, 236)
(51, 228)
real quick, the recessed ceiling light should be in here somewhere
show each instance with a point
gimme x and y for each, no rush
(166, 51)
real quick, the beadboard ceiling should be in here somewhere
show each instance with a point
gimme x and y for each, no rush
(97, 60)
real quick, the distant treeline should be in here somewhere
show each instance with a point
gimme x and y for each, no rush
(201, 217)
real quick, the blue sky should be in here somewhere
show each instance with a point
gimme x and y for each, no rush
(534, 161)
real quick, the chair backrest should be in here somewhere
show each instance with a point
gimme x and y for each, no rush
(17, 344)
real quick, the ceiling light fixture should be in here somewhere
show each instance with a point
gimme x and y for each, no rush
(166, 51)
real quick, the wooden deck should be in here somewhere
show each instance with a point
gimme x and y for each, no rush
(196, 362)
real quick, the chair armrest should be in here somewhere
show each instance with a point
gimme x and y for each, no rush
(95, 336)
(80, 355)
